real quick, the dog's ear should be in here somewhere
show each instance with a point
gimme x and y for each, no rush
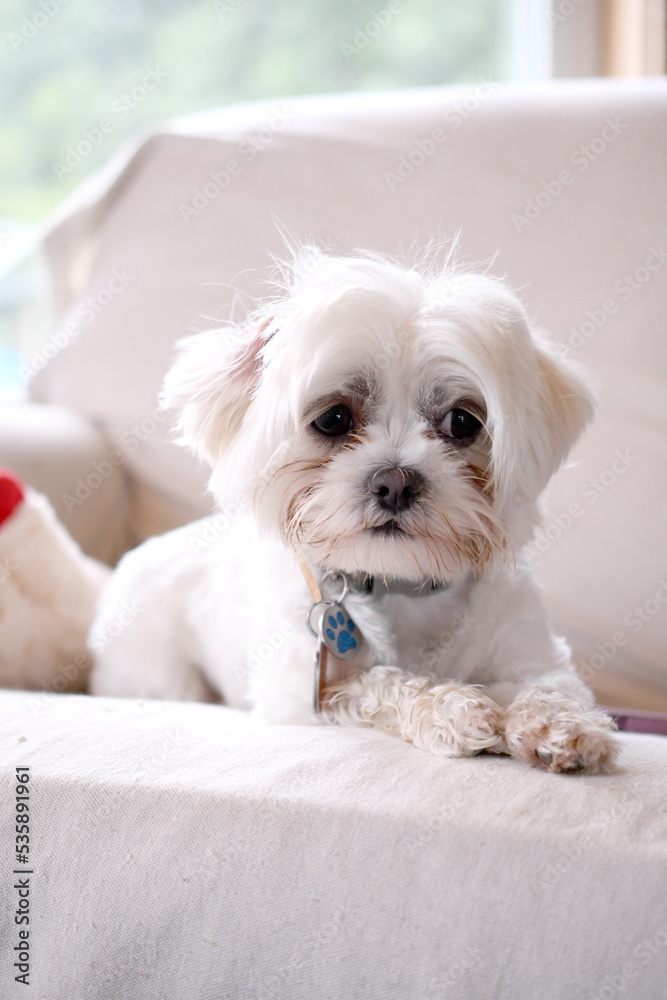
(538, 400)
(211, 385)
(564, 405)
(568, 400)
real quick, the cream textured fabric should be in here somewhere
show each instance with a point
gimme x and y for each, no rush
(182, 852)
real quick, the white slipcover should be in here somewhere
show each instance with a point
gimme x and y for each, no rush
(182, 853)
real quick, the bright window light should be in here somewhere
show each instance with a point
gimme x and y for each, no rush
(77, 77)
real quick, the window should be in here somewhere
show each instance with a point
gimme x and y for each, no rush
(77, 77)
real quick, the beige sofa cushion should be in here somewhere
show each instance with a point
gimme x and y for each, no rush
(181, 851)
(62, 454)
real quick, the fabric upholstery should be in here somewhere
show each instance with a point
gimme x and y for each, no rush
(182, 851)
(64, 455)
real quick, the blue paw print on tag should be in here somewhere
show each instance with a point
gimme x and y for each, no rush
(341, 636)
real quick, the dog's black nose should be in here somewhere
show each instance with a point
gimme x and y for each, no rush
(396, 489)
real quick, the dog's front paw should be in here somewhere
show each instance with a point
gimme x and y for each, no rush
(561, 736)
(463, 722)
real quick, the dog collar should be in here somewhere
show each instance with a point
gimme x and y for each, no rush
(379, 586)
(335, 630)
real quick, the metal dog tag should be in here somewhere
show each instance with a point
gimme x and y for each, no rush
(319, 675)
(336, 633)
(339, 633)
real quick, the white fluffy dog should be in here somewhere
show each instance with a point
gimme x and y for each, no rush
(388, 433)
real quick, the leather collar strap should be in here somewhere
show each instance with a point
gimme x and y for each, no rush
(311, 582)
(320, 665)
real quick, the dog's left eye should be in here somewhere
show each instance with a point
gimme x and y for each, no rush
(334, 422)
(460, 425)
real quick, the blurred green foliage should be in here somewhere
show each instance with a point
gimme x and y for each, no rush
(67, 66)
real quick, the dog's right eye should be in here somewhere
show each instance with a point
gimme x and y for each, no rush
(461, 426)
(334, 422)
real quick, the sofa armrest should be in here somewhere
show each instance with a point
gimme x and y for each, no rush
(66, 457)
(185, 851)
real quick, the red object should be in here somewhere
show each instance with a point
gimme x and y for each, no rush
(12, 493)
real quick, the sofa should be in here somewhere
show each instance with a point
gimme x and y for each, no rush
(182, 850)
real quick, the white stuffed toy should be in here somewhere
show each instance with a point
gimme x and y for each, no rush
(48, 592)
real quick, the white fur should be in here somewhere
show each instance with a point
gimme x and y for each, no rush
(471, 667)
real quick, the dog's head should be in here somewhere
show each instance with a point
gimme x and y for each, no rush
(383, 420)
